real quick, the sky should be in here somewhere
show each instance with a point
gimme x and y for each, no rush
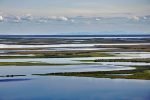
(74, 17)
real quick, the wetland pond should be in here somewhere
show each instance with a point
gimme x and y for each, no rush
(73, 88)
(22, 82)
(32, 87)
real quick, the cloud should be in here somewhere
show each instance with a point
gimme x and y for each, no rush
(97, 19)
(17, 19)
(136, 18)
(14, 19)
(60, 18)
(30, 18)
(74, 19)
(146, 17)
(63, 18)
(1, 18)
(42, 20)
(27, 17)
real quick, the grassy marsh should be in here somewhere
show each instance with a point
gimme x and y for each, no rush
(146, 60)
(141, 72)
(60, 54)
(29, 64)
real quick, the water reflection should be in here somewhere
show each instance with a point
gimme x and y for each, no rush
(74, 88)
(14, 80)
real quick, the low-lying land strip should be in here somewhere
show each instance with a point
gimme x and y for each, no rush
(141, 72)
(29, 64)
(60, 54)
(146, 60)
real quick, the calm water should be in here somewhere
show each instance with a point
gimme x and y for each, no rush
(77, 60)
(28, 70)
(73, 88)
(32, 87)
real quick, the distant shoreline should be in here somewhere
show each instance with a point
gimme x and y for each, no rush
(78, 36)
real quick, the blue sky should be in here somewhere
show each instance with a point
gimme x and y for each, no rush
(73, 16)
(75, 7)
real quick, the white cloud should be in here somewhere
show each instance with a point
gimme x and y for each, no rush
(10, 18)
(60, 18)
(1, 18)
(97, 19)
(17, 19)
(42, 20)
(136, 18)
(27, 17)
(53, 17)
(63, 18)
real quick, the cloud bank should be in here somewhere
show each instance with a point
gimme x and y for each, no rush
(74, 19)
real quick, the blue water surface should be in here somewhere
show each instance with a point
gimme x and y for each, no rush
(73, 88)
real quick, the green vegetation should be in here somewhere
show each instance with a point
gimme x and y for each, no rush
(60, 54)
(28, 64)
(141, 72)
(146, 60)
(125, 48)
(76, 54)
